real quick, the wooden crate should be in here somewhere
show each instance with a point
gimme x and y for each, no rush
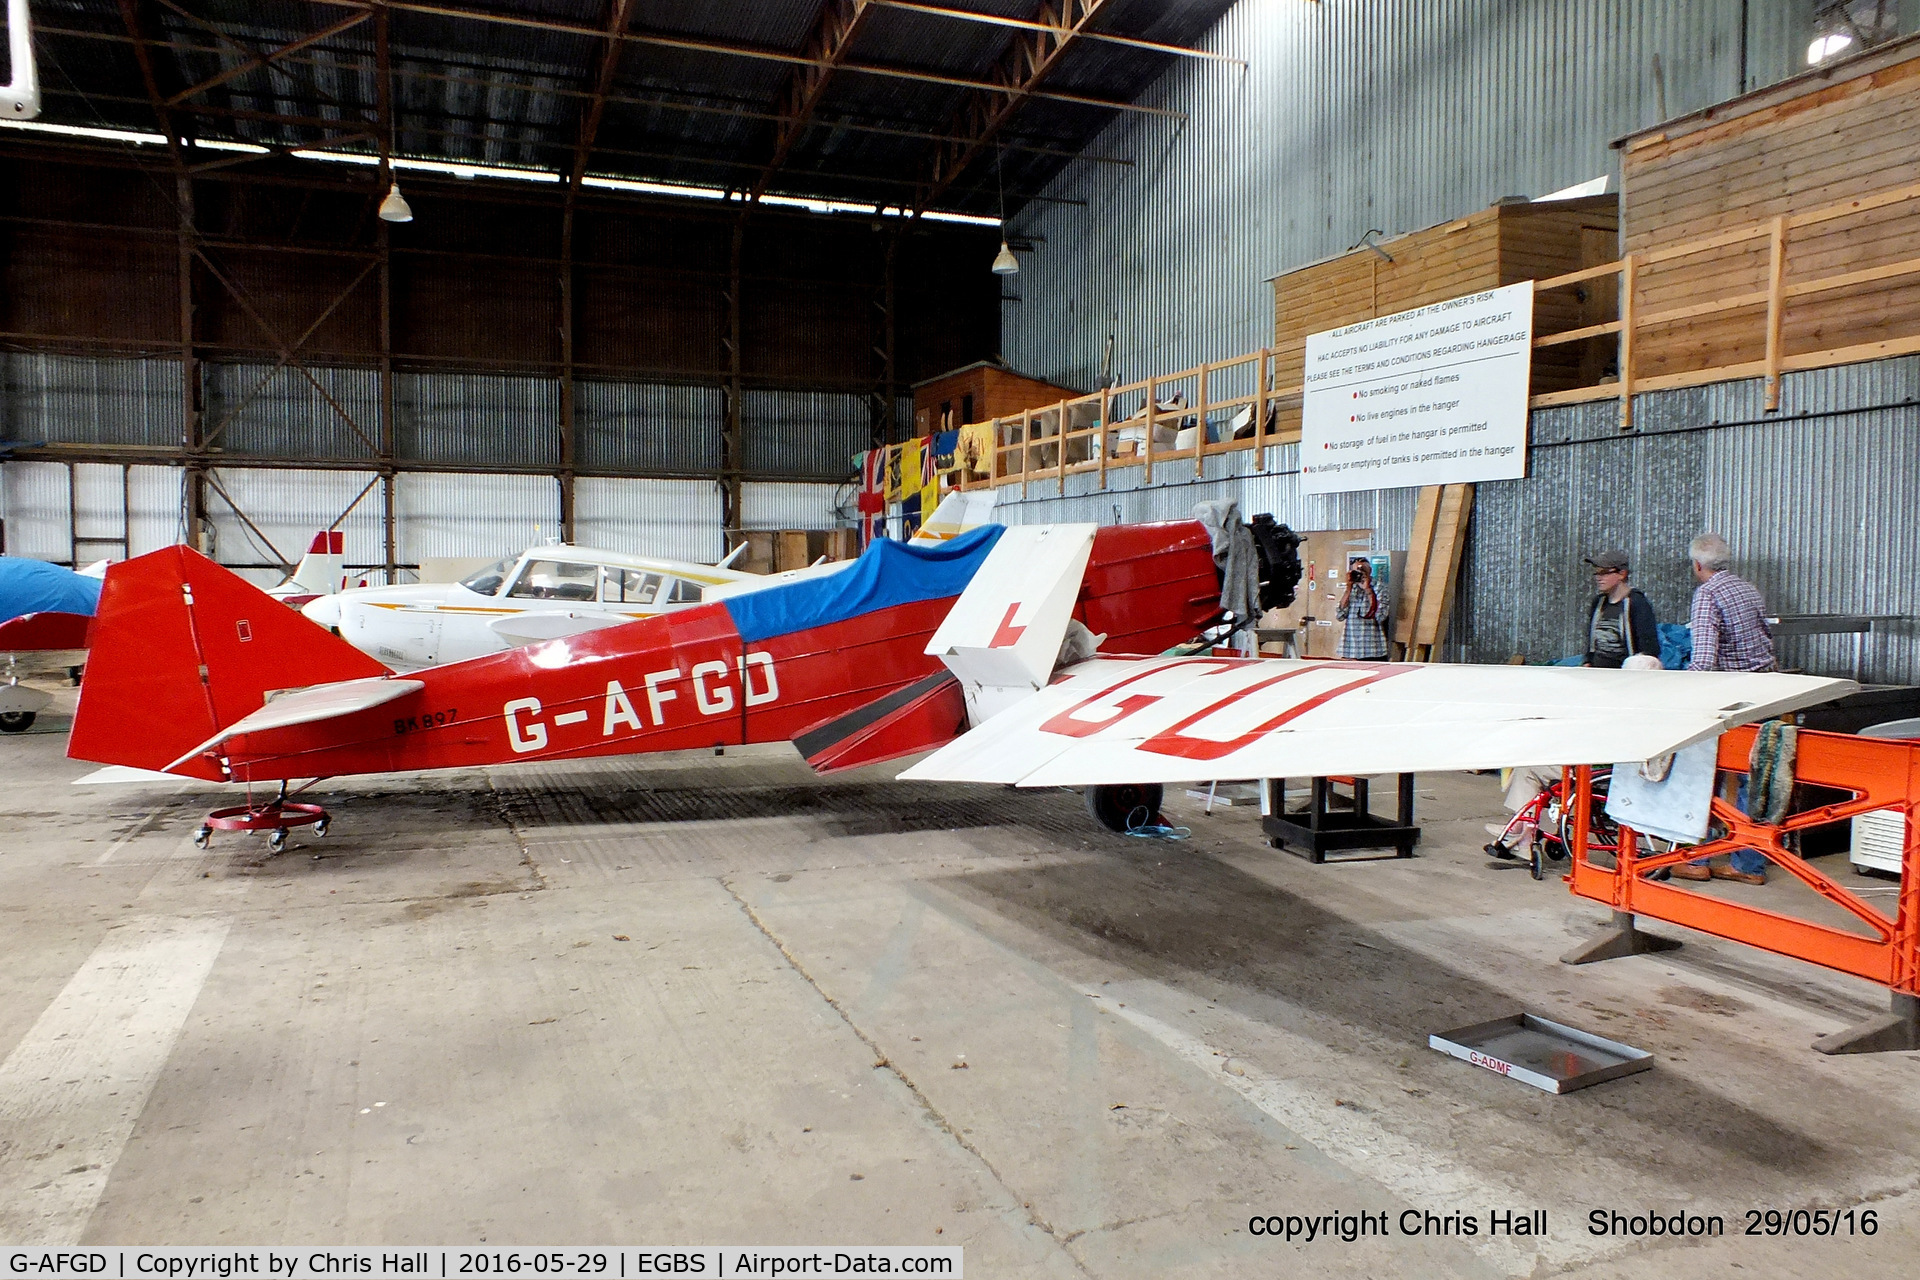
(1500, 245)
(1821, 138)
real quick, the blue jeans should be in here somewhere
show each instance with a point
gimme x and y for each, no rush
(1748, 861)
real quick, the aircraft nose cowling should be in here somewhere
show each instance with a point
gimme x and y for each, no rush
(325, 610)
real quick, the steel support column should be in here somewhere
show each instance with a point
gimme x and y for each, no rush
(886, 391)
(731, 430)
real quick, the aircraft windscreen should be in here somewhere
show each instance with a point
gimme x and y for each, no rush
(488, 580)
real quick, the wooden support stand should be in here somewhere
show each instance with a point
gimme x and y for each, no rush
(1315, 831)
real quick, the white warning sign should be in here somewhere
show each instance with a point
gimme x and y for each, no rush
(1437, 395)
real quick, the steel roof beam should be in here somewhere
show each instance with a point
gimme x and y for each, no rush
(758, 52)
(495, 83)
(259, 60)
(994, 19)
(1027, 61)
(833, 33)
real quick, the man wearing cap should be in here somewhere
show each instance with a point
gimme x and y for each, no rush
(1620, 621)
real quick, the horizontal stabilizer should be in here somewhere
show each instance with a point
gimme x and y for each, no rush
(1149, 720)
(926, 714)
(306, 706)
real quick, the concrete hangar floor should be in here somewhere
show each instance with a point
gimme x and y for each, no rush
(714, 1001)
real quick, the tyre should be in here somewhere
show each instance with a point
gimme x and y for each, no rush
(203, 837)
(1126, 806)
(16, 721)
(278, 840)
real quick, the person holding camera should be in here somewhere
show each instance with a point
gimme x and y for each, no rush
(1365, 638)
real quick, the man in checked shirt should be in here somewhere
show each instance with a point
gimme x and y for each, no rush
(1729, 634)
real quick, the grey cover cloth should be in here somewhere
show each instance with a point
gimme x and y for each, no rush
(1236, 557)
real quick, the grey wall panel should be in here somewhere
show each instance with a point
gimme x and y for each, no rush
(774, 504)
(261, 411)
(453, 514)
(286, 508)
(635, 426)
(802, 434)
(492, 419)
(679, 519)
(1820, 501)
(88, 400)
(1351, 115)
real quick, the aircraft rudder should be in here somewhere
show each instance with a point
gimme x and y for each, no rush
(181, 648)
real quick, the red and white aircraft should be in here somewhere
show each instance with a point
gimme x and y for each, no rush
(958, 646)
(197, 673)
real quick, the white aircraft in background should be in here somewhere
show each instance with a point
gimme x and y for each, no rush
(548, 592)
(543, 593)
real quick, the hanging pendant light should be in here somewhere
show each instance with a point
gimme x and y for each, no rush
(395, 208)
(1004, 263)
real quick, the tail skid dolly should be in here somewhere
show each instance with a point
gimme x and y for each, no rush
(277, 816)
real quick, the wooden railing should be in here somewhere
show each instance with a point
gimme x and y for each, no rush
(1775, 297)
(1035, 447)
(1081, 434)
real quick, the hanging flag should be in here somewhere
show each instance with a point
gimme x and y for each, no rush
(873, 482)
(897, 472)
(975, 451)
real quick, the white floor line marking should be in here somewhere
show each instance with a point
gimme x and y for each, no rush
(1422, 1176)
(137, 830)
(72, 1089)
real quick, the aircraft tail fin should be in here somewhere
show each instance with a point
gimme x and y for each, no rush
(181, 649)
(323, 570)
(958, 512)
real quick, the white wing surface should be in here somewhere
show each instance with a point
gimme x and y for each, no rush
(1147, 720)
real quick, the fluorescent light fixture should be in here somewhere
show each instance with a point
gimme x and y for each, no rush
(84, 131)
(454, 168)
(654, 188)
(970, 219)
(1828, 46)
(221, 144)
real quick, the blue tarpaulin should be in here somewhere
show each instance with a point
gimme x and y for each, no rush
(887, 574)
(34, 586)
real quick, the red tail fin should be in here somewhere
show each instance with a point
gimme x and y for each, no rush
(181, 648)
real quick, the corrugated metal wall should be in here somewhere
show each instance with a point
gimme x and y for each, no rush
(679, 519)
(1821, 502)
(768, 504)
(632, 426)
(804, 434)
(1350, 115)
(468, 419)
(80, 400)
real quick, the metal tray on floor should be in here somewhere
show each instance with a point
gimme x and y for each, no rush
(1547, 1055)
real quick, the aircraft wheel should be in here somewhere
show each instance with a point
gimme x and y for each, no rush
(1118, 808)
(203, 837)
(278, 840)
(16, 721)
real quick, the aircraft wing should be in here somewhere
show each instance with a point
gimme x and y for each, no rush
(306, 706)
(1146, 720)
